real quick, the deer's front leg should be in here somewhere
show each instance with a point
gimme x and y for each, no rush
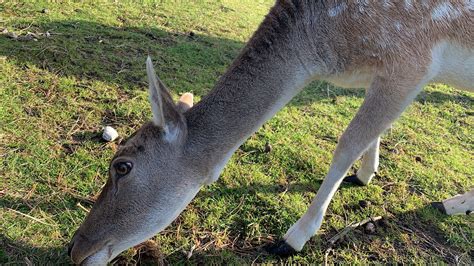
(385, 101)
(368, 166)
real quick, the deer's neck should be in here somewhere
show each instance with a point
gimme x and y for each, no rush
(266, 75)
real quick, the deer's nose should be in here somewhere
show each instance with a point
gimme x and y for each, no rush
(80, 248)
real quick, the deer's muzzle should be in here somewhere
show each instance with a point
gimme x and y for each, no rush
(83, 251)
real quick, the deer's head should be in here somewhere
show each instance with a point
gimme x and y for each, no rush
(150, 183)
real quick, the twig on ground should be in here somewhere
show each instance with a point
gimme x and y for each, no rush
(326, 255)
(31, 217)
(351, 227)
(28, 261)
(344, 232)
(444, 251)
(79, 197)
(253, 262)
(82, 207)
(242, 200)
(190, 253)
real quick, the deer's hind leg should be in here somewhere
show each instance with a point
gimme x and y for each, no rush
(459, 204)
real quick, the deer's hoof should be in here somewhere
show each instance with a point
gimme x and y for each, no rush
(280, 248)
(353, 179)
(439, 206)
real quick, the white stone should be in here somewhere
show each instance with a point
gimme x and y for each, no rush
(109, 134)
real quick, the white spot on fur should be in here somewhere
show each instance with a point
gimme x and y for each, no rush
(408, 4)
(445, 11)
(387, 4)
(469, 5)
(398, 25)
(363, 4)
(337, 10)
(364, 39)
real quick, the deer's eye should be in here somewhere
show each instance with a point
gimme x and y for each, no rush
(123, 168)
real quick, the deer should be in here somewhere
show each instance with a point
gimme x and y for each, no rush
(390, 48)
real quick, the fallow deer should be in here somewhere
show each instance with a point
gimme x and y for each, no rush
(392, 48)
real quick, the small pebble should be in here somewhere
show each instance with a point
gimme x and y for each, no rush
(369, 228)
(44, 10)
(110, 134)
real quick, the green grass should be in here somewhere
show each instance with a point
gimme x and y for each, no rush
(57, 93)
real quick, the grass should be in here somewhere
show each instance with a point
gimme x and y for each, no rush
(57, 93)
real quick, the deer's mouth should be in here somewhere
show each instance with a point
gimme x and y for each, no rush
(82, 253)
(101, 257)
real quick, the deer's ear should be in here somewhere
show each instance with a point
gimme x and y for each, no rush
(185, 102)
(162, 105)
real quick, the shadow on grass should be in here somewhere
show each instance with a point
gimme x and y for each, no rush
(418, 233)
(186, 62)
(14, 252)
(412, 236)
(403, 233)
(93, 51)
